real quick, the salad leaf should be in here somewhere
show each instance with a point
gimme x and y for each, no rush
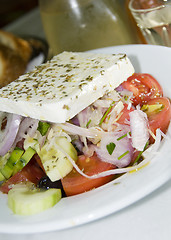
(110, 147)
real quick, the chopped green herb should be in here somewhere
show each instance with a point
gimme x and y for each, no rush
(106, 113)
(125, 97)
(43, 127)
(140, 153)
(88, 123)
(123, 155)
(110, 147)
(66, 106)
(123, 136)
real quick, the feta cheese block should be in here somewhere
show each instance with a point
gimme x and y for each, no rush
(60, 88)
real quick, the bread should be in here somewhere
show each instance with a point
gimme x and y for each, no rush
(11, 65)
(15, 54)
(19, 45)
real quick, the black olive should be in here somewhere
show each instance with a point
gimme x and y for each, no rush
(46, 183)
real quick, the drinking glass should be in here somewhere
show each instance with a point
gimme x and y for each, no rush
(154, 20)
(80, 25)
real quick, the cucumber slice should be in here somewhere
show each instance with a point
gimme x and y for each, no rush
(3, 161)
(6, 171)
(16, 161)
(26, 199)
(14, 157)
(25, 158)
(55, 162)
(32, 142)
(2, 178)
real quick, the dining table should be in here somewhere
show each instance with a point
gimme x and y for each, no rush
(148, 218)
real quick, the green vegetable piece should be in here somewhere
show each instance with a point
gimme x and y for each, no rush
(106, 113)
(3, 161)
(2, 178)
(123, 136)
(14, 157)
(88, 123)
(123, 155)
(26, 199)
(110, 147)
(25, 158)
(7, 170)
(43, 127)
(141, 152)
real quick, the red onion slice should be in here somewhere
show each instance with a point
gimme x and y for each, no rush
(28, 127)
(93, 132)
(122, 153)
(9, 132)
(139, 129)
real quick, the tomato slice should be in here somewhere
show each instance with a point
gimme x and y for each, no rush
(125, 114)
(31, 172)
(74, 183)
(39, 162)
(158, 111)
(144, 87)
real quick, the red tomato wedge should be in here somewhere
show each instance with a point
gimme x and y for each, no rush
(144, 87)
(39, 162)
(31, 172)
(74, 183)
(158, 111)
(125, 115)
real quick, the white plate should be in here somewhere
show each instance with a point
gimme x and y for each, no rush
(112, 197)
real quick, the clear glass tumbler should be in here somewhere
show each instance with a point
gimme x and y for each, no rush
(154, 20)
(80, 25)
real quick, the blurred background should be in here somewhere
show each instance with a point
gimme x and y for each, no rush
(11, 10)
(22, 17)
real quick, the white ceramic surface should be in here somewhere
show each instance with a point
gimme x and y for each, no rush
(112, 197)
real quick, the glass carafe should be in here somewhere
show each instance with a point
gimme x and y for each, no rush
(80, 25)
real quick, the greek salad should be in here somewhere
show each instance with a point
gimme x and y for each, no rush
(41, 162)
